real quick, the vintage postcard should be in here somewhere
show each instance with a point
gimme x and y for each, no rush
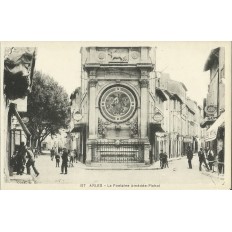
(116, 115)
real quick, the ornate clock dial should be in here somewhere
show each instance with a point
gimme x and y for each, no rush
(118, 104)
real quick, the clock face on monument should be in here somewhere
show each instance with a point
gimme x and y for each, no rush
(118, 104)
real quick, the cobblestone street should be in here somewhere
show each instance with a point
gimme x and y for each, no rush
(177, 174)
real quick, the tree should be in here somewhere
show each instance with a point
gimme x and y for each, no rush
(48, 108)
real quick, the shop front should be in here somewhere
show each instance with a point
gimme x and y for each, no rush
(215, 135)
(78, 136)
(187, 142)
(18, 134)
(158, 141)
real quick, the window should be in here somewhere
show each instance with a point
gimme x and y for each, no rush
(174, 104)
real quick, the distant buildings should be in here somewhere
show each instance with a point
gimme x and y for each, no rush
(214, 103)
(57, 141)
(180, 126)
(125, 111)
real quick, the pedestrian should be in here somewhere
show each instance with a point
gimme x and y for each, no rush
(71, 159)
(221, 161)
(21, 159)
(31, 162)
(52, 154)
(189, 156)
(35, 153)
(75, 155)
(165, 160)
(161, 156)
(13, 161)
(210, 159)
(64, 165)
(57, 157)
(207, 152)
(202, 159)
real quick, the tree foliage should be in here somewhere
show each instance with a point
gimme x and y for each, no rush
(48, 107)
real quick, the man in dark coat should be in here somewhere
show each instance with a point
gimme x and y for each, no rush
(210, 159)
(161, 156)
(64, 165)
(52, 154)
(31, 162)
(21, 159)
(189, 157)
(202, 159)
(221, 161)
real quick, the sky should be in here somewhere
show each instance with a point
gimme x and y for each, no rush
(184, 61)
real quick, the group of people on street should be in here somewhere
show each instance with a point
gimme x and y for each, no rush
(206, 158)
(22, 158)
(163, 159)
(207, 155)
(68, 158)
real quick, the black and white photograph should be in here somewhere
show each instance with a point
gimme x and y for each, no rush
(129, 98)
(104, 115)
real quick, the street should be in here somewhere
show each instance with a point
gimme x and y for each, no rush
(177, 174)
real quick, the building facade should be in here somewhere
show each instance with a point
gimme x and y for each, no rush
(125, 111)
(114, 105)
(214, 103)
(182, 117)
(19, 63)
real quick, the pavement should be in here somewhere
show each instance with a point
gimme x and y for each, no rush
(177, 174)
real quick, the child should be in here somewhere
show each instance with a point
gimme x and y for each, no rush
(57, 160)
(71, 159)
(165, 160)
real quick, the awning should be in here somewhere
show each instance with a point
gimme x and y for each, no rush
(161, 94)
(211, 133)
(78, 127)
(207, 121)
(189, 108)
(155, 127)
(15, 112)
(171, 96)
(178, 98)
(212, 56)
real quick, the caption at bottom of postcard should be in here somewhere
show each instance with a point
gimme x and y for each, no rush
(119, 185)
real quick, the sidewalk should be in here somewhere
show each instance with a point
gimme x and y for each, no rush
(195, 162)
(22, 179)
(213, 174)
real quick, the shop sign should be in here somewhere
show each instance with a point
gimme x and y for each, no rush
(211, 135)
(210, 109)
(158, 117)
(77, 116)
(25, 119)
